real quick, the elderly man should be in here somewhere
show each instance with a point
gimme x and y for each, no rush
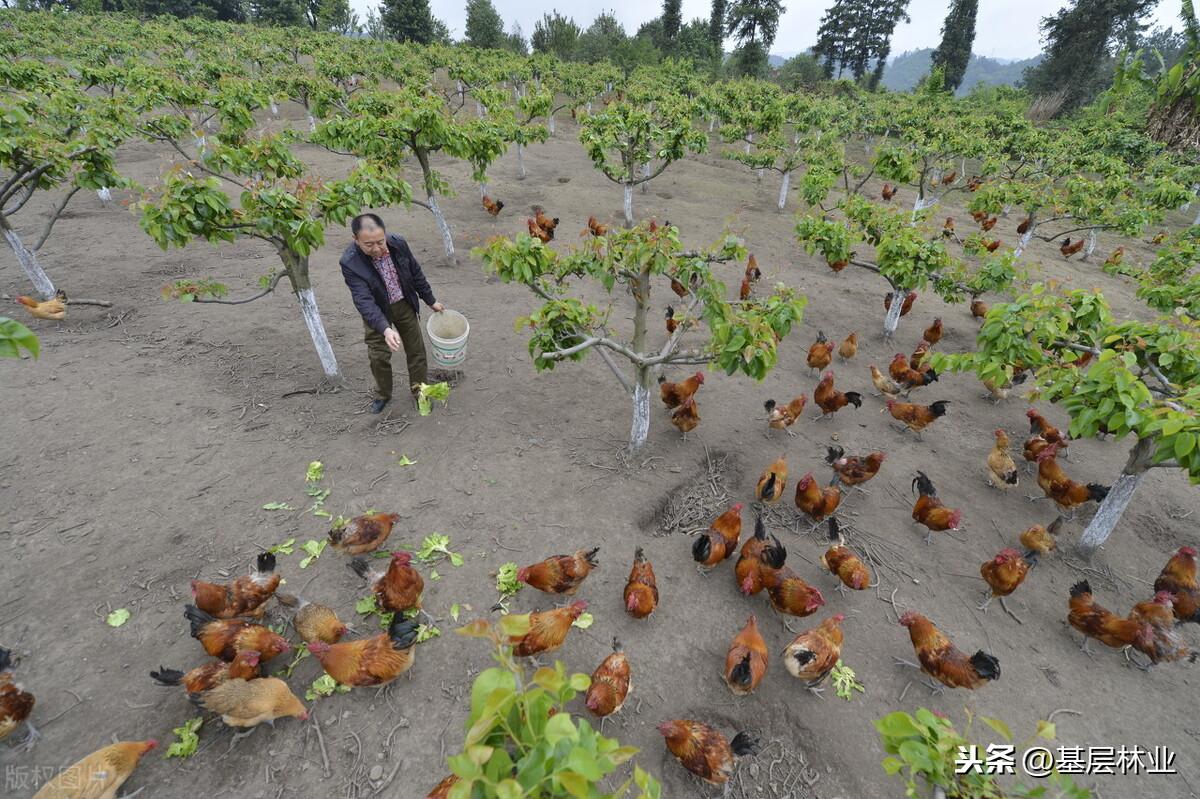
(385, 282)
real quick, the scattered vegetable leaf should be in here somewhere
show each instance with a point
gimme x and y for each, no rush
(454, 611)
(507, 583)
(427, 631)
(844, 681)
(117, 617)
(584, 621)
(316, 470)
(314, 550)
(277, 506)
(405, 461)
(426, 393)
(324, 686)
(189, 738)
(286, 548)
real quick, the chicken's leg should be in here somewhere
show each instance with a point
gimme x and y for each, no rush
(31, 737)
(816, 691)
(983, 608)
(907, 663)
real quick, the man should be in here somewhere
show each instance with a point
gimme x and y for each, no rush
(385, 282)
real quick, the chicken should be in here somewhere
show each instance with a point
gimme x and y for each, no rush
(849, 347)
(830, 400)
(919, 360)
(442, 789)
(1025, 224)
(772, 482)
(853, 470)
(547, 630)
(686, 417)
(1159, 237)
(917, 417)
(1065, 492)
(997, 393)
(245, 596)
(816, 502)
(318, 623)
(1068, 249)
(242, 703)
(842, 563)
(789, 593)
(988, 223)
(884, 385)
(1048, 432)
(1114, 258)
(746, 660)
(902, 371)
(703, 751)
(943, 661)
(595, 228)
(979, 216)
(744, 289)
(363, 534)
(370, 661)
(641, 589)
(905, 307)
(979, 308)
(398, 587)
(204, 678)
(783, 417)
(1003, 574)
(929, 511)
(974, 183)
(812, 654)
(611, 684)
(1096, 621)
(99, 775)
(948, 228)
(759, 550)
(493, 207)
(679, 289)
(838, 265)
(933, 333)
(949, 177)
(16, 704)
(720, 540)
(887, 192)
(753, 273)
(54, 308)
(1179, 577)
(1166, 642)
(224, 638)
(820, 354)
(672, 325)
(1039, 540)
(544, 222)
(1001, 470)
(560, 574)
(538, 233)
(674, 394)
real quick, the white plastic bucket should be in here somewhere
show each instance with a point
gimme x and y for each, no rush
(448, 332)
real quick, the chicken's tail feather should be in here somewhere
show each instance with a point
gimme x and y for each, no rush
(833, 453)
(987, 665)
(745, 743)
(741, 675)
(403, 632)
(166, 676)
(360, 567)
(590, 555)
(266, 562)
(198, 619)
(701, 548)
(774, 555)
(1011, 477)
(1097, 492)
(768, 487)
(854, 398)
(5, 659)
(1080, 588)
(834, 532)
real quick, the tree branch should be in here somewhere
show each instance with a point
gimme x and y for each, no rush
(1054, 236)
(625, 384)
(1067, 345)
(270, 288)
(200, 165)
(558, 355)
(1170, 389)
(54, 218)
(1165, 465)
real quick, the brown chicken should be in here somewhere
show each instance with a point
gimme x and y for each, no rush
(1025, 224)
(772, 482)
(812, 654)
(988, 223)
(838, 265)
(99, 775)
(245, 596)
(746, 660)
(703, 751)
(905, 307)
(242, 703)
(933, 333)
(929, 511)
(789, 593)
(442, 789)
(686, 417)
(992, 245)
(816, 502)
(16, 704)
(674, 394)
(1048, 432)
(884, 385)
(318, 623)
(948, 228)
(949, 177)
(720, 540)
(672, 325)
(820, 354)
(547, 630)
(204, 678)
(1096, 621)
(917, 417)
(398, 587)
(943, 661)
(979, 308)
(370, 661)
(595, 228)
(611, 684)
(1179, 577)
(363, 534)
(1039, 540)
(849, 347)
(641, 590)
(830, 400)
(979, 216)
(853, 470)
(782, 417)
(544, 222)
(224, 638)
(493, 207)
(1159, 237)
(1166, 644)
(887, 192)
(560, 574)
(759, 550)
(1001, 470)
(744, 289)
(679, 289)
(974, 183)
(902, 371)
(919, 360)
(537, 232)
(1114, 258)
(54, 308)
(842, 563)
(1067, 248)
(1003, 574)
(1065, 492)
(1000, 392)
(753, 273)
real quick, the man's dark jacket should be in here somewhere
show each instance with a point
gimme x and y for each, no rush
(368, 289)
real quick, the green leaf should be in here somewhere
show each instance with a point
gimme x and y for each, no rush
(188, 736)
(584, 621)
(405, 461)
(507, 583)
(118, 617)
(314, 549)
(316, 470)
(454, 611)
(560, 728)
(286, 548)
(277, 506)
(999, 726)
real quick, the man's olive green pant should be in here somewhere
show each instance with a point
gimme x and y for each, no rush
(408, 325)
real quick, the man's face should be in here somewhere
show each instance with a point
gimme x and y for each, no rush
(372, 240)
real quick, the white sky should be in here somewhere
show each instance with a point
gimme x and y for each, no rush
(1005, 28)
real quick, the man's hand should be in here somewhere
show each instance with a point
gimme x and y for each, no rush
(392, 338)
(438, 307)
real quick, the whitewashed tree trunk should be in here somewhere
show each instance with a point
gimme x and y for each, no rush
(1195, 193)
(640, 429)
(104, 194)
(479, 111)
(749, 141)
(316, 329)
(201, 143)
(312, 124)
(783, 189)
(520, 162)
(1113, 506)
(550, 124)
(712, 123)
(483, 189)
(1196, 221)
(589, 106)
(645, 174)
(274, 109)
(628, 204)
(1026, 237)
(1091, 244)
(443, 226)
(892, 320)
(1004, 211)
(29, 262)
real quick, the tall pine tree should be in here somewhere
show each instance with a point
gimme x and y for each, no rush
(834, 36)
(856, 36)
(407, 20)
(958, 34)
(754, 24)
(716, 24)
(672, 20)
(883, 20)
(485, 28)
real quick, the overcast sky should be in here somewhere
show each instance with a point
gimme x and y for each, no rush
(1006, 28)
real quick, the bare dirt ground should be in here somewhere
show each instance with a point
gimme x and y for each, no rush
(139, 451)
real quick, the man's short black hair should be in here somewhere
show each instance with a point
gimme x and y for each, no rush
(356, 224)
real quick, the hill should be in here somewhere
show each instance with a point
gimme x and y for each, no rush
(908, 68)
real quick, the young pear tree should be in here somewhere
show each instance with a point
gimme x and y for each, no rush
(741, 336)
